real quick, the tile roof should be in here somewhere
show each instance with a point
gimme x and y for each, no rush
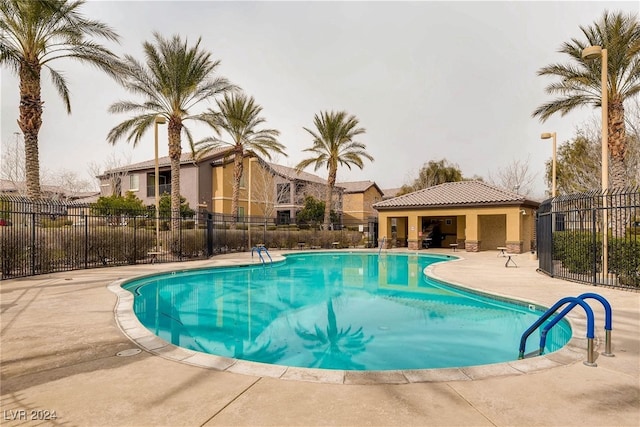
(292, 173)
(463, 193)
(387, 193)
(185, 158)
(357, 186)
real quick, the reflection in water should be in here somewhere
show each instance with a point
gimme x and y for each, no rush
(324, 310)
(333, 347)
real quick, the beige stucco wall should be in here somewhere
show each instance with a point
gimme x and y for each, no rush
(357, 207)
(478, 228)
(492, 231)
(222, 186)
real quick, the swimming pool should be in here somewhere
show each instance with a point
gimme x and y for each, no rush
(336, 310)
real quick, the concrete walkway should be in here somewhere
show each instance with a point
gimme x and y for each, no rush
(60, 340)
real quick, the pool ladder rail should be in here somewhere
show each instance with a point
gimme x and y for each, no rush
(384, 240)
(259, 249)
(573, 302)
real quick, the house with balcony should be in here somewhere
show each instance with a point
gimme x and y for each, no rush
(267, 190)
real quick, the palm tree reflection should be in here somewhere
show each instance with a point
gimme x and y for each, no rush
(334, 348)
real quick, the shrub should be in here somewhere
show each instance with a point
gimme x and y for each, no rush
(576, 250)
(13, 254)
(624, 260)
(107, 246)
(190, 244)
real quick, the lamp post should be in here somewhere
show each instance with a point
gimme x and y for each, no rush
(158, 121)
(593, 52)
(552, 135)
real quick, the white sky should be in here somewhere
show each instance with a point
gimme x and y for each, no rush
(427, 80)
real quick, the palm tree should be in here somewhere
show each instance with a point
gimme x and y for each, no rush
(32, 35)
(174, 79)
(580, 82)
(239, 117)
(333, 145)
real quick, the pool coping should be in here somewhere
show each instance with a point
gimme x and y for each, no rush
(130, 326)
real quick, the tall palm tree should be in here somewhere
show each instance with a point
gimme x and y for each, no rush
(32, 35)
(239, 117)
(173, 80)
(580, 82)
(333, 145)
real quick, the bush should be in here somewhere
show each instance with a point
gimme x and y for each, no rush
(13, 255)
(624, 260)
(576, 250)
(106, 246)
(190, 244)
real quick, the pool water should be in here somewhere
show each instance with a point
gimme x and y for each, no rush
(330, 310)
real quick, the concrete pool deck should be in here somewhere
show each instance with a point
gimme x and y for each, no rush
(60, 340)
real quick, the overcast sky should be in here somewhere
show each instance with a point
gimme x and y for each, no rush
(427, 80)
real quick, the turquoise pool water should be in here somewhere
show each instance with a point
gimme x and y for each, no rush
(336, 310)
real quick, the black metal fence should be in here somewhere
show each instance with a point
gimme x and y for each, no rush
(573, 243)
(45, 236)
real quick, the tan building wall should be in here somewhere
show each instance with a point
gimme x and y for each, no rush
(357, 207)
(476, 228)
(222, 185)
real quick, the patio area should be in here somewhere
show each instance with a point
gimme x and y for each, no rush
(60, 341)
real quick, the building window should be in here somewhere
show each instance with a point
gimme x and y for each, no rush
(284, 193)
(134, 182)
(242, 181)
(240, 212)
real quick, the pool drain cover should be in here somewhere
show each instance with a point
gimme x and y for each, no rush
(129, 352)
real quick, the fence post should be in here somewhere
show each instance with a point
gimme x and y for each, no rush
(33, 243)
(594, 233)
(86, 241)
(209, 234)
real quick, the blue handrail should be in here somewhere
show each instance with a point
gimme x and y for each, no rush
(607, 321)
(259, 250)
(550, 312)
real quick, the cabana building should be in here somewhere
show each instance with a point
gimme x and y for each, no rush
(470, 215)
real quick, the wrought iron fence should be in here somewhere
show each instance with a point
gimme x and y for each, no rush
(45, 236)
(573, 243)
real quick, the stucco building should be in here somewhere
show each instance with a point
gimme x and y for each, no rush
(358, 200)
(472, 214)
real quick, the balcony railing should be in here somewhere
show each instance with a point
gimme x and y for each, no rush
(164, 188)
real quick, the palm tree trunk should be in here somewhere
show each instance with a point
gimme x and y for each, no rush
(331, 182)
(175, 152)
(237, 176)
(30, 121)
(617, 151)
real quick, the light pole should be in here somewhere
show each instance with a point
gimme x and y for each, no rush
(158, 121)
(547, 135)
(593, 52)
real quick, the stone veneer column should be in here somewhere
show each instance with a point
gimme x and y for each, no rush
(472, 245)
(514, 247)
(412, 244)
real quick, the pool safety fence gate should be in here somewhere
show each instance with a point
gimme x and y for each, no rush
(45, 236)
(574, 244)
